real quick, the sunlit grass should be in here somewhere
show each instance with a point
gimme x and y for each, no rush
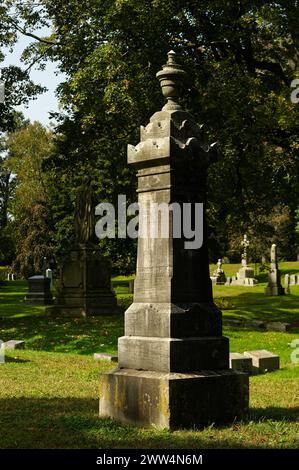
(49, 392)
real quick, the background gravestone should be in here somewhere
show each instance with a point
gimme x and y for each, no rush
(218, 277)
(39, 291)
(245, 275)
(85, 279)
(173, 360)
(274, 286)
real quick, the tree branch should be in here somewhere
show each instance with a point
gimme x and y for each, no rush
(32, 35)
(37, 59)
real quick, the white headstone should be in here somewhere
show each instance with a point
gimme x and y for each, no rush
(49, 274)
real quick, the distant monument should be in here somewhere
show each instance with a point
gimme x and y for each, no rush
(218, 277)
(39, 289)
(245, 275)
(274, 286)
(173, 360)
(85, 278)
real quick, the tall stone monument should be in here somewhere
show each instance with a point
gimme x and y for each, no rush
(173, 360)
(274, 286)
(245, 275)
(85, 280)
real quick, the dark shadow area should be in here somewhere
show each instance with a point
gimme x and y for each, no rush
(74, 335)
(275, 414)
(289, 271)
(11, 301)
(17, 360)
(73, 423)
(257, 306)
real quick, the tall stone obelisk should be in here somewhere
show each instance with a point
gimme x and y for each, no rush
(173, 360)
(274, 286)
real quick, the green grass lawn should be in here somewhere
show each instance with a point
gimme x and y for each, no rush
(249, 302)
(50, 400)
(49, 392)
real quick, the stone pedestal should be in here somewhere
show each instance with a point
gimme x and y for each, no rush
(263, 360)
(218, 277)
(274, 286)
(274, 290)
(173, 360)
(39, 291)
(85, 285)
(173, 400)
(245, 277)
(240, 362)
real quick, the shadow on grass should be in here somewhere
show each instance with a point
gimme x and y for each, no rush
(257, 306)
(73, 423)
(11, 301)
(274, 414)
(16, 360)
(289, 270)
(78, 335)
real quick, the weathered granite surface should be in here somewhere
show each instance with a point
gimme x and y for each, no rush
(173, 360)
(240, 362)
(174, 400)
(263, 360)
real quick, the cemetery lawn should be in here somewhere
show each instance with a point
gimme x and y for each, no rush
(49, 392)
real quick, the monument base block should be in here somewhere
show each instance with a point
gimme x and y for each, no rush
(173, 400)
(274, 290)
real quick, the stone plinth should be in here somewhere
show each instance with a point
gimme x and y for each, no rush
(14, 344)
(263, 361)
(218, 277)
(85, 285)
(173, 400)
(39, 291)
(245, 277)
(173, 354)
(274, 290)
(173, 360)
(239, 362)
(105, 357)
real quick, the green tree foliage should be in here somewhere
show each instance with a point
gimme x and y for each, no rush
(19, 89)
(242, 57)
(6, 193)
(31, 220)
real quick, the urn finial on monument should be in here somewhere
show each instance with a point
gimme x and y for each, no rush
(172, 78)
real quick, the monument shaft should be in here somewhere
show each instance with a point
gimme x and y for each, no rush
(173, 352)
